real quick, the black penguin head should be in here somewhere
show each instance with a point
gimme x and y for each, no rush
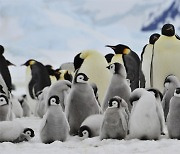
(157, 93)
(134, 98)
(85, 132)
(177, 92)
(1, 49)
(68, 76)
(120, 49)
(50, 70)
(114, 102)
(78, 61)
(81, 78)
(3, 100)
(153, 38)
(109, 57)
(168, 30)
(169, 79)
(29, 62)
(53, 100)
(29, 132)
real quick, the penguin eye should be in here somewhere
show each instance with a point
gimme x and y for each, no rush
(2, 99)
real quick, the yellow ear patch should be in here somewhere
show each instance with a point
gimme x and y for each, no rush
(126, 51)
(32, 62)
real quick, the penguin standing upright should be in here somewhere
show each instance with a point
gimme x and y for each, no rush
(4, 69)
(166, 57)
(94, 64)
(131, 61)
(37, 78)
(81, 103)
(5, 108)
(52, 73)
(54, 125)
(118, 86)
(146, 59)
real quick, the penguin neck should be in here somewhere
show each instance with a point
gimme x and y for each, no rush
(117, 58)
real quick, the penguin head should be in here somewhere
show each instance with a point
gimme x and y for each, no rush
(117, 68)
(29, 62)
(177, 92)
(81, 78)
(170, 79)
(68, 76)
(109, 57)
(85, 132)
(120, 49)
(168, 30)
(158, 95)
(153, 38)
(29, 132)
(53, 100)
(114, 102)
(50, 70)
(78, 61)
(1, 49)
(3, 100)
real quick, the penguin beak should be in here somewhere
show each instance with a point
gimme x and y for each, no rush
(110, 46)
(108, 67)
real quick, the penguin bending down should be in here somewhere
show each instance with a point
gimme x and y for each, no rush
(55, 125)
(115, 122)
(81, 103)
(145, 122)
(118, 86)
(91, 126)
(12, 131)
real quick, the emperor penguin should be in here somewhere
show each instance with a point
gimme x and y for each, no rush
(115, 122)
(93, 64)
(63, 75)
(5, 107)
(173, 117)
(90, 127)
(4, 69)
(131, 61)
(54, 125)
(52, 73)
(13, 131)
(81, 103)
(145, 122)
(146, 58)
(170, 84)
(25, 106)
(165, 57)
(37, 78)
(118, 86)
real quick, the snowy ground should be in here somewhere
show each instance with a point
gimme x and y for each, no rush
(74, 145)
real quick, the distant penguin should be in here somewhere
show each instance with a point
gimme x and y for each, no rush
(115, 122)
(12, 131)
(144, 122)
(131, 61)
(166, 57)
(51, 73)
(91, 126)
(146, 58)
(63, 75)
(25, 106)
(94, 64)
(81, 103)
(54, 126)
(118, 86)
(170, 84)
(173, 117)
(36, 79)
(5, 108)
(4, 69)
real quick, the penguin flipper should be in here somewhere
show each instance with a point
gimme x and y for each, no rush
(124, 121)
(30, 87)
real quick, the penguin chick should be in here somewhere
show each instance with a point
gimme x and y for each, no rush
(115, 122)
(118, 86)
(54, 125)
(90, 127)
(4, 108)
(81, 103)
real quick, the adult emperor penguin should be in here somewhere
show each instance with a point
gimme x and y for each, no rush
(54, 125)
(170, 84)
(94, 64)
(145, 122)
(37, 78)
(166, 57)
(52, 73)
(131, 61)
(13, 131)
(90, 127)
(173, 118)
(118, 86)
(146, 58)
(5, 107)
(115, 122)
(4, 69)
(81, 103)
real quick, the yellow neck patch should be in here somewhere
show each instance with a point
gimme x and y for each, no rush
(32, 62)
(126, 51)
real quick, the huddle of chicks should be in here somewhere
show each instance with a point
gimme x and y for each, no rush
(117, 96)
